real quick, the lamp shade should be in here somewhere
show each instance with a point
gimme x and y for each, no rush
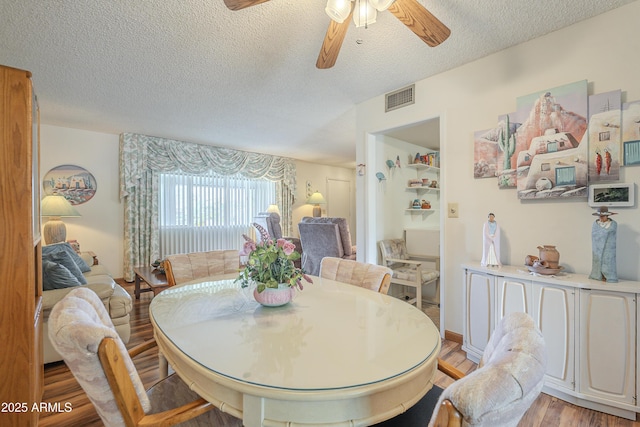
(57, 206)
(273, 208)
(338, 10)
(364, 13)
(381, 5)
(316, 199)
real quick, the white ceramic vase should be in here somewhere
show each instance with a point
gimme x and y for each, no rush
(272, 297)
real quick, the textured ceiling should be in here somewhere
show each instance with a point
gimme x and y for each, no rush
(195, 71)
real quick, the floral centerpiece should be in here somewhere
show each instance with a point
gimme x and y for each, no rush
(270, 263)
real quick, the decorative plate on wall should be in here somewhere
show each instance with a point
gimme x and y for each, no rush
(76, 184)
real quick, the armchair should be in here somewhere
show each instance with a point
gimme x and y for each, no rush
(270, 221)
(410, 270)
(324, 237)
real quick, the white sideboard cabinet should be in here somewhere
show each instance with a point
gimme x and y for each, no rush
(590, 329)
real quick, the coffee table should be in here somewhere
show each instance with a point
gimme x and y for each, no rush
(154, 278)
(337, 355)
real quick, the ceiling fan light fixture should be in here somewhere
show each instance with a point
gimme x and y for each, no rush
(364, 14)
(338, 10)
(381, 5)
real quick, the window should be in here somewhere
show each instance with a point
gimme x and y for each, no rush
(566, 175)
(208, 212)
(604, 136)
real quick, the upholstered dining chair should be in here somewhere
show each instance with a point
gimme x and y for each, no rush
(498, 393)
(369, 276)
(322, 237)
(182, 268)
(411, 270)
(81, 331)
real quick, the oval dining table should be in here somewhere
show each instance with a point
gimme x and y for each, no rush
(336, 355)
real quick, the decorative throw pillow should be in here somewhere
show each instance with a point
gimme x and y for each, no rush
(57, 276)
(66, 247)
(63, 258)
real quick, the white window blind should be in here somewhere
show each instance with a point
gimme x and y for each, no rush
(209, 212)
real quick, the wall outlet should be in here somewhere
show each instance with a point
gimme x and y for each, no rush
(453, 210)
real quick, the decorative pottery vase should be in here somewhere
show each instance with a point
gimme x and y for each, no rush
(272, 297)
(550, 255)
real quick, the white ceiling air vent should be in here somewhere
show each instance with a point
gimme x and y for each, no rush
(399, 98)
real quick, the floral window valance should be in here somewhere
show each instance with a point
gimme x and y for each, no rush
(141, 152)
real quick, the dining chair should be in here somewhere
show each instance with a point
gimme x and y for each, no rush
(270, 221)
(411, 269)
(498, 393)
(369, 276)
(182, 268)
(82, 332)
(322, 237)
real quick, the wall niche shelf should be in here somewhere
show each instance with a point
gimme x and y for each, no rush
(420, 210)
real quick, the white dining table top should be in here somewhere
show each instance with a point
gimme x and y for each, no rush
(331, 336)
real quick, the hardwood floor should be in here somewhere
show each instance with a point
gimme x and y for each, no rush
(61, 387)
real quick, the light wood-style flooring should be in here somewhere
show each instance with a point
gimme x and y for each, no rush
(61, 387)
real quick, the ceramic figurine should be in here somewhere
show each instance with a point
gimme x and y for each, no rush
(603, 246)
(398, 161)
(416, 204)
(491, 242)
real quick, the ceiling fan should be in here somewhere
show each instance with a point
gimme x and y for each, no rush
(409, 12)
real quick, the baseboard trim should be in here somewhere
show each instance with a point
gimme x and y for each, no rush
(453, 336)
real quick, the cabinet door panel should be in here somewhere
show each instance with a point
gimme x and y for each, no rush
(607, 345)
(554, 308)
(480, 318)
(513, 296)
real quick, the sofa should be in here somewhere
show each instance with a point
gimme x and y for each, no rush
(116, 299)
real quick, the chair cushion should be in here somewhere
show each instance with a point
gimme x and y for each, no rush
(66, 247)
(364, 275)
(508, 379)
(394, 248)
(408, 272)
(77, 326)
(63, 258)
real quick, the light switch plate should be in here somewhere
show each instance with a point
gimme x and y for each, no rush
(453, 210)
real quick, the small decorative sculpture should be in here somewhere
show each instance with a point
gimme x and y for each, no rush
(491, 242)
(398, 161)
(380, 176)
(603, 246)
(390, 164)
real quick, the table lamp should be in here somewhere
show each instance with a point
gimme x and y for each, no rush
(55, 207)
(316, 200)
(273, 208)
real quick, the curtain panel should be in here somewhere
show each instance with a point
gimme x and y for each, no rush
(142, 157)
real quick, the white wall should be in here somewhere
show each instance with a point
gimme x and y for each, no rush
(602, 50)
(100, 228)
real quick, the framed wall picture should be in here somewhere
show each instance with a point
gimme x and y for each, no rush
(614, 194)
(75, 183)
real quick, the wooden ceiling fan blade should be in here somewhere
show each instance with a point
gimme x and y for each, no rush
(332, 43)
(241, 4)
(420, 21)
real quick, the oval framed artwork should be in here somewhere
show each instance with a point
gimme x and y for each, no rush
(76, 184)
